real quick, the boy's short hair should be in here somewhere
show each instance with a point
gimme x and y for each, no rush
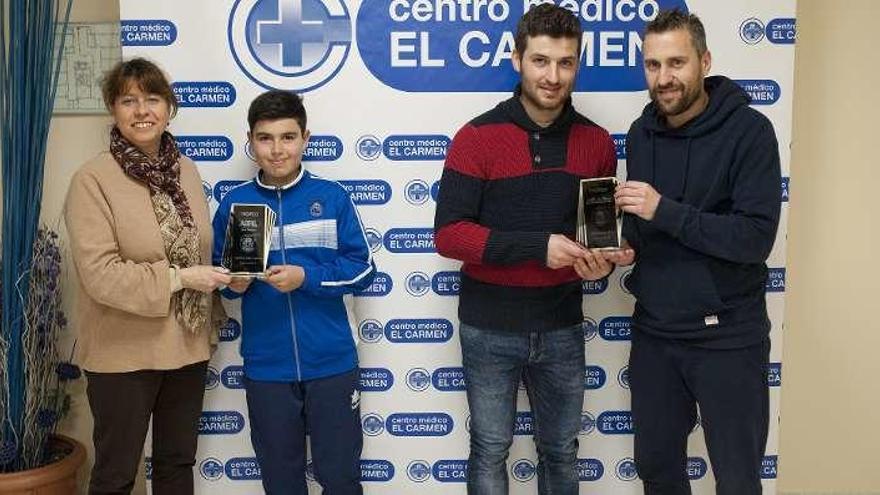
(140, 72)
(549, 20)
(277, 104)
(672, 20)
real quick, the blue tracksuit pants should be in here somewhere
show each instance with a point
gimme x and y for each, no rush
(328, 410)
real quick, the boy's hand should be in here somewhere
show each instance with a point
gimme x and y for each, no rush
(285, 277)
(240, 284)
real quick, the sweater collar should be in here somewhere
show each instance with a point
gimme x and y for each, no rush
(514, 109)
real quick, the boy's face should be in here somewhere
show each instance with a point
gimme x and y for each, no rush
(278, 146)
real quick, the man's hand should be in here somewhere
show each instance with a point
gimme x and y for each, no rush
(240, 284)
(562, 251)
(592, 265)
(638, 198)
(203, 278)
(621, 257)
(285, 277)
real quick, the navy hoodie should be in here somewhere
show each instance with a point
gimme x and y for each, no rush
(700, 269)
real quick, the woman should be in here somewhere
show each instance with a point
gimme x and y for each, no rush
(140, 237)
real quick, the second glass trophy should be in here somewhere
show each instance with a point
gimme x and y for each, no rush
(599, 219)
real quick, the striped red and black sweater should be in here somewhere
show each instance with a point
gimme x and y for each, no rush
(508, 184)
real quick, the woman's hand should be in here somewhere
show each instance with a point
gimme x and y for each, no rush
(204, 278)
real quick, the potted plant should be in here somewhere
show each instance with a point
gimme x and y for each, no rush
(37, 457)
(32, 376)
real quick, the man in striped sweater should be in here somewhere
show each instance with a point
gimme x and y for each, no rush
(508, 209)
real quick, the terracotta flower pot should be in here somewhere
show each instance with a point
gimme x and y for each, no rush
(57, 478)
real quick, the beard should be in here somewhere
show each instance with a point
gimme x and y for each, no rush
(531, 95)
(689, 96)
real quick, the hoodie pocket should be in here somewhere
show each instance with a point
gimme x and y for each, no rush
(675, 291)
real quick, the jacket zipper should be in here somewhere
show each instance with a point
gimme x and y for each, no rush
(289, 298)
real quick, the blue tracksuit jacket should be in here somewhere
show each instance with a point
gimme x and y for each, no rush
(304, 334)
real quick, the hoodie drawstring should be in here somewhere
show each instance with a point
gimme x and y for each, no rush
(687, 168)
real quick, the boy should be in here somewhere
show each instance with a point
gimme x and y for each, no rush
(299, 358)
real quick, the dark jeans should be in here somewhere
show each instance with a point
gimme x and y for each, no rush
(280, 412)
(552, 365)
(122, 404)
(667, 380)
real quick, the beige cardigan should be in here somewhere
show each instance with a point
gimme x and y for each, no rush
(124, 313)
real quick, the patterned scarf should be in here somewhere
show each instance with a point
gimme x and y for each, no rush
(180, 235)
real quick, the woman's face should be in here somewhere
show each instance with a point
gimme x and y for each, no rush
(141, 118)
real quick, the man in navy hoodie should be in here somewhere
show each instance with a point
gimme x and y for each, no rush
(702, 205)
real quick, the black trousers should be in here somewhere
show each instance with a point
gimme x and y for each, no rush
(122, 404)
(667, 380)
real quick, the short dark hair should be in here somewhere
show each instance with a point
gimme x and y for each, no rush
(277, 104)
(671, 20)
(549, 20)
(142, 72)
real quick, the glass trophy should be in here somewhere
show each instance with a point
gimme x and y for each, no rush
(248, 239)
(599, 219)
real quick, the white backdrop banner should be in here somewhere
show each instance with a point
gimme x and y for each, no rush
(386, 84)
